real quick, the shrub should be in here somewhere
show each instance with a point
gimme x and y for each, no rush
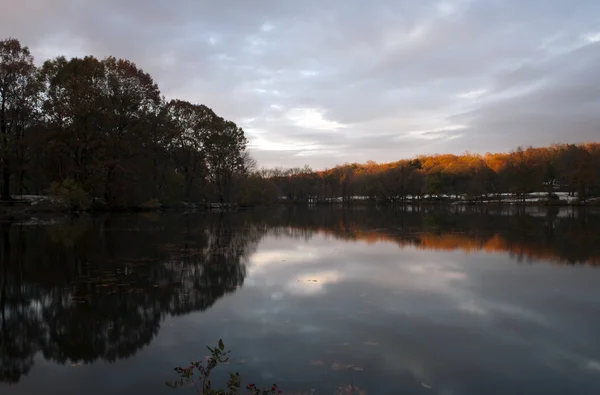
(152, 204)
(255, 191)
(198, 373)
(70, 195)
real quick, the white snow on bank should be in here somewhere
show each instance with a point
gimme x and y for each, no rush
(533, 197)
(33, 198)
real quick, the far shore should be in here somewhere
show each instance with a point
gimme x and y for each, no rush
(34, 205)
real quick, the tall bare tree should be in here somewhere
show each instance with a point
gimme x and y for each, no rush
(17, 82)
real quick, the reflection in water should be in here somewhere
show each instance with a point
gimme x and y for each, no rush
(567, 236)
(99, 288)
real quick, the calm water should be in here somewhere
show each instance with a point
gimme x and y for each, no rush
(393, 302)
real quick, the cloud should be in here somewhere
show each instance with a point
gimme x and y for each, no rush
(472, 94)
(559, 100)
(346, 81)
(593, 37)
(311, 118)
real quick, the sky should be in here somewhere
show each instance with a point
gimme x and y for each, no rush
(328, 82)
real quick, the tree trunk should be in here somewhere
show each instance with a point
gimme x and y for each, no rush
(21, 182)
(108, 183)
(188, 187)
(5, 179)
(4, 150)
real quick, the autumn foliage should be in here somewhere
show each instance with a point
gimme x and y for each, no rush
(568, 168)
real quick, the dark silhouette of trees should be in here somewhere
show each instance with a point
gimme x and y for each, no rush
(224, 144)
(189, 127)
(18, 91)
(98, 122)
(103, 126)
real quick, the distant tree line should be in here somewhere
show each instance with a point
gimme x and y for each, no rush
(572, 169)
(102, 128)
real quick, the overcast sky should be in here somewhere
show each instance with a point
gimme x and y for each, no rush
(333, 81)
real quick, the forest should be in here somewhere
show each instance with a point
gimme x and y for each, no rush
(559, 173)
(91, 130)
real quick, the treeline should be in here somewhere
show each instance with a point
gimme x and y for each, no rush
(572, 169)
(92, 128)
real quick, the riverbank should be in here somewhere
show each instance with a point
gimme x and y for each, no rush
(26, 206)
(533, 199)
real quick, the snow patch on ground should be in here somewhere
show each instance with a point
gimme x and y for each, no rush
(33, 199)
(533, 197)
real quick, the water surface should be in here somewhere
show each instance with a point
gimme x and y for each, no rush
(433, 301)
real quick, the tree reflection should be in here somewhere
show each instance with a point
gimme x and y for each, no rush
(99, 288)
(564, 237)
(20, 331)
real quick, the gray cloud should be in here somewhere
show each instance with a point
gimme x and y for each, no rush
(559, 101)
(340, 81)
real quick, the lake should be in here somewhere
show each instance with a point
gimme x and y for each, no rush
(416, 301)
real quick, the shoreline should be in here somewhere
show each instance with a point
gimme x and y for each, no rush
(19, 209)
(590, 203)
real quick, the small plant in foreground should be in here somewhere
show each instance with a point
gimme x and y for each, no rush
(198, 374)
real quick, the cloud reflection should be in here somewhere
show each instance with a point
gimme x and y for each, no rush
(434, 315)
